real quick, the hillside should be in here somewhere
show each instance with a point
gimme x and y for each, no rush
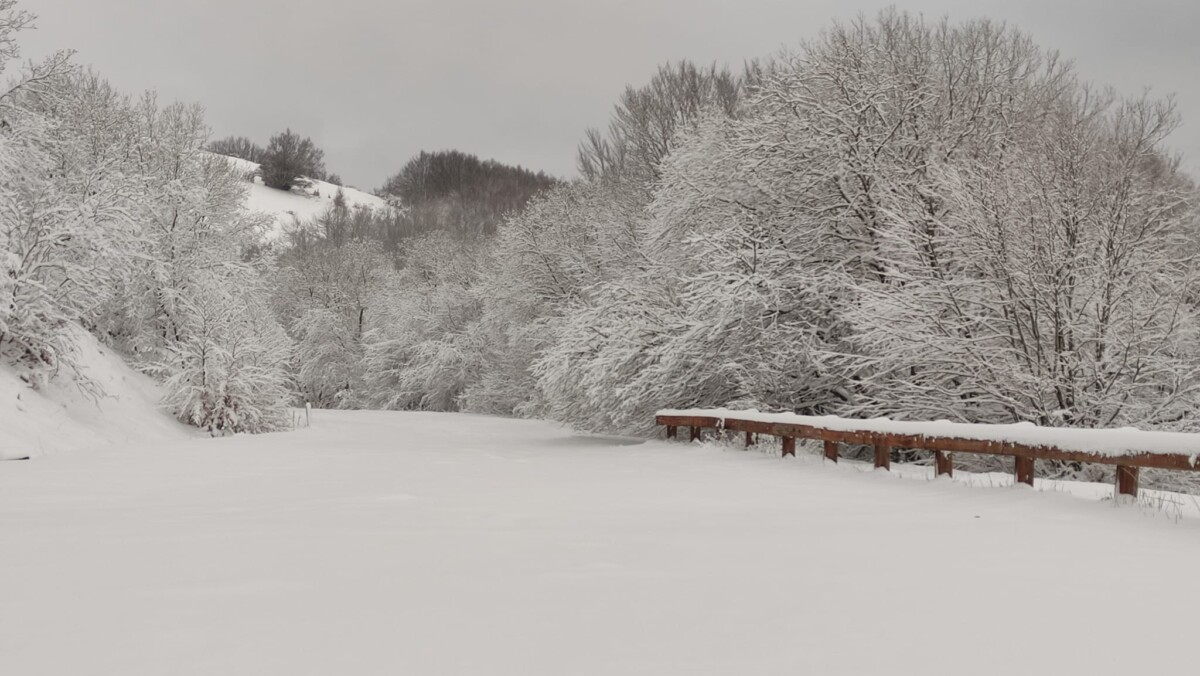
(302, 205)
(62, 416)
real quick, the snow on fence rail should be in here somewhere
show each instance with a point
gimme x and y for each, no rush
(1127, 448)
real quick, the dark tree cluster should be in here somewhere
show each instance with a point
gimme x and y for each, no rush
(460, 193)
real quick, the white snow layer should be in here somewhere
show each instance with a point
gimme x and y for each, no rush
(61, 416)
(1109, 442)
(421, 543)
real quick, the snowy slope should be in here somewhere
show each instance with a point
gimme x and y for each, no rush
(62, 417)
(303, 205)
(409, 543)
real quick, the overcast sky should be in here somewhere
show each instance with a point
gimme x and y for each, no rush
(375, 81)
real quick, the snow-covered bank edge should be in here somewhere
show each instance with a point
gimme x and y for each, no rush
(62, 416)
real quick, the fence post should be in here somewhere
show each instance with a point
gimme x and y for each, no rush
(749, 438)
(1127, 480)
(1023, 467)
(883, 455)
(671, 431)
(944, 462)
(831, 450)
(695, 433)
(789, 446)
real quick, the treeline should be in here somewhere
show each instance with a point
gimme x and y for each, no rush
(457, 192)
(907, 218)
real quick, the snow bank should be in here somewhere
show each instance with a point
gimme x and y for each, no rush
(1110, 442)
(61, 416)
(304, 205)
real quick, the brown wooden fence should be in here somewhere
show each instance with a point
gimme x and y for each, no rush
(943, 447)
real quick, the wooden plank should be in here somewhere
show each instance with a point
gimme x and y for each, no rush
(831, 450)
(789, 446)
(944, 462)
(688, 421)
(883, 455)
(1023, 467)
(1127, 480)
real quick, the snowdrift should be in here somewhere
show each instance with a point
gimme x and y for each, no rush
(303, 205)
(62, 416)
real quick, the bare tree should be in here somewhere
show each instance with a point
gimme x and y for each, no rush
(646, 119)
(238, 146)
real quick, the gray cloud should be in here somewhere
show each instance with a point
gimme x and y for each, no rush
(374, 82)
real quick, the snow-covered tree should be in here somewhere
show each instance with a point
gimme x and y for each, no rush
(225, 373)
(194, 292)
(328, 357)
(547, 257)
(423, 354)
(54, 222)
(1055, 285)
(329, 280)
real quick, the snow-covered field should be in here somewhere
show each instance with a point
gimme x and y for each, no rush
(407, 543)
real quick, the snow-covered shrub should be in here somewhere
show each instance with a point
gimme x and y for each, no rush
(228, 371)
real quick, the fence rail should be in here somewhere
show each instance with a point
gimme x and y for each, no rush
(944, 447)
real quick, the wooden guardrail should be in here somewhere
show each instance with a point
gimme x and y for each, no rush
(944, 447)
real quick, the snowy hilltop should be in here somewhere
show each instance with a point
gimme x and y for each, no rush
(301, 204)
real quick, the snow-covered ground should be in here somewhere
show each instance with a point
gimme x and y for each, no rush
(409, 543)
(63, 416)
(303, 205)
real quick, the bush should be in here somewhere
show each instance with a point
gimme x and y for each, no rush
(289, 158)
